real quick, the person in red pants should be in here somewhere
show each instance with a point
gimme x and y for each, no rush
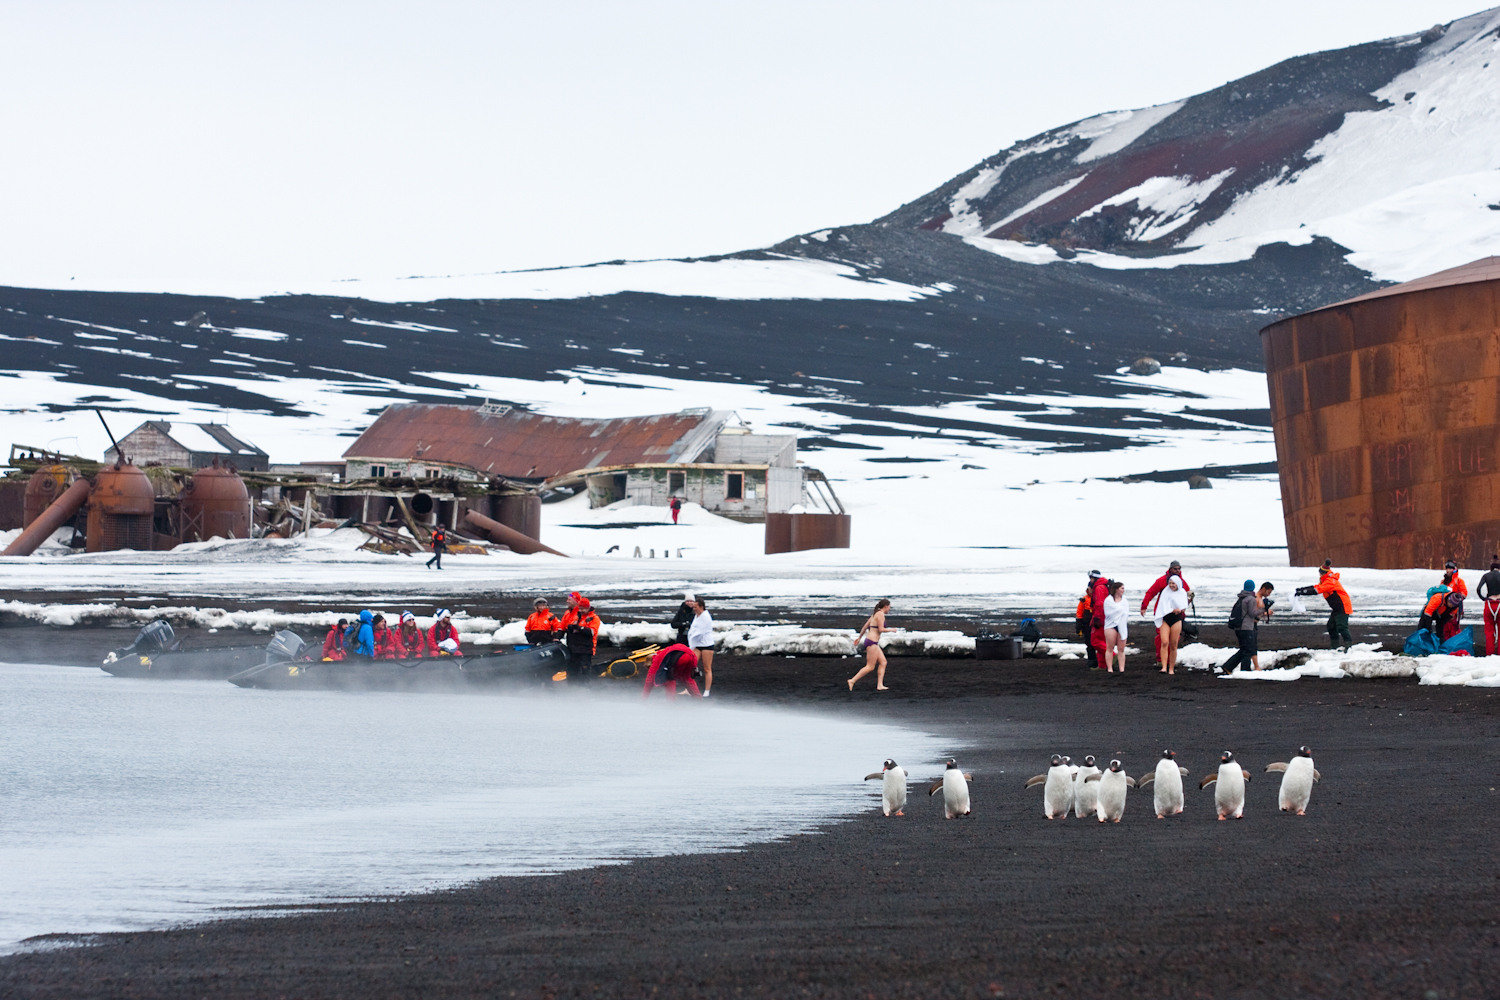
(1153, 592)
(1098, 591)
(672, 666)
(676, 506)
(1488, 591)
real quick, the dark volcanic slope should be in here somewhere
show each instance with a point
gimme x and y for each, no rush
(1385, 889)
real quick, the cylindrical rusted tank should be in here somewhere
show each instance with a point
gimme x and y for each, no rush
(800, 532)
(1386, 410)
(522, 512)
(54, 517)
(215, 504)
(120, 509)
(45, 486)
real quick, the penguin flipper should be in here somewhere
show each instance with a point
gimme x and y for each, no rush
(1093, 777)
(1245, 773)
(1207, 781)
(968, 776)
(1144, 781)
(1036, 780)
(1278, 766)
(1316, 776)
(1184, 771)
(936, 786)
(877, 774)
(1130, 782)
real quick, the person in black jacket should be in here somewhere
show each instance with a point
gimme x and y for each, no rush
(1489, 592)
(439, 546)
(683, 619)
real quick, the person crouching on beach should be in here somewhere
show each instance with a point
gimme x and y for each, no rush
(672, 666)
(868, 642)
(1171, 609)
(701, 639)
(1116, 613)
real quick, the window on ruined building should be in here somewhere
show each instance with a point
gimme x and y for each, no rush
(734, 486)
(676, 481)
(377, 472)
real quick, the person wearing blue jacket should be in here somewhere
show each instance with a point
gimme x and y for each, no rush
(362, 642)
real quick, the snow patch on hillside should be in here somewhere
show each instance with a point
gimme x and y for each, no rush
(1122, 128)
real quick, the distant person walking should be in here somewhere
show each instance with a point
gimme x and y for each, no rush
(868, 641)
(1489, 592)
(676, 506)
(1171, 609)
(701, 640)
(1153, 594)
(682, 621)
(1250, 608)
(439, 546)
(1116, 614)
(1339, 605)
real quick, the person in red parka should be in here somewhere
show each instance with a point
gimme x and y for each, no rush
(333, 644)
(386, 646)
(1153, 592)
(442, 630)
(412, 641)
(672, 666)
(1098, 591)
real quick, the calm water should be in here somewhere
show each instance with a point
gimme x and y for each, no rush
(127, 804)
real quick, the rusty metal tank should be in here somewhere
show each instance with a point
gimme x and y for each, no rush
(120, 509)
(215, 504)
(521, 512)
(46, 485)
(1386, 411)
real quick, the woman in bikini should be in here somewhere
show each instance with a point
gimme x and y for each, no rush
(869, 641)
(1171, 609)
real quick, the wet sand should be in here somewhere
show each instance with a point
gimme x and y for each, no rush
(1387, 888)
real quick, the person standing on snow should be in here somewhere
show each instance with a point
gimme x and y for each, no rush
(1489, 592)
(1457, 585)
(1338, 603)
(439, 546)
(676, 506)
(1153, 596)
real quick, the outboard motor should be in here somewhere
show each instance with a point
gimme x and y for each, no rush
(155, 637)
(285, 645)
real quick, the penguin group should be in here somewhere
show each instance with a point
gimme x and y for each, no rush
(954, 784)
(1089, 792)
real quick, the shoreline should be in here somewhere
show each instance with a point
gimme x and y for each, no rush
(1371, 894)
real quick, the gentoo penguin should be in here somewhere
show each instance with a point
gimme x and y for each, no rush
(892, 787)
(1229, 793)
(955, 786)
(1112, 785)
(1166, 785)
(1085, 794)
(1058, 793)
(1297, 781)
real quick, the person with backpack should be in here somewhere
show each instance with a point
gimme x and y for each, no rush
(1488, 591)
(360, 639)
(1339, 605)
(676, 506)
(1250, 608)
(439, 546)
(677, 664)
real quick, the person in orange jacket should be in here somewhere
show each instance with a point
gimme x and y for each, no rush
(1338, 603)
(412, 643)
(1457, 583)
(443, 631)
(386, 646)
(333, 643)
(542, 625)
(1082, 615)
(580, 619)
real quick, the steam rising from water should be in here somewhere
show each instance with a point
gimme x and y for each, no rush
(130, 804)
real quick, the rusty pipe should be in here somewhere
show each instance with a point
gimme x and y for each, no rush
(502, 535)
(49, 520)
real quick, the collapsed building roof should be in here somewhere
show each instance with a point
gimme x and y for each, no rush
(517, 444)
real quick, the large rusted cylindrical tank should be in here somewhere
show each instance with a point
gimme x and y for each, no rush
(1386, 410)
(45, 486)
(215, 504)
(120, 509)
(522, 512)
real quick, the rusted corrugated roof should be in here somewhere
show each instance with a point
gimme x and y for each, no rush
(523, 445)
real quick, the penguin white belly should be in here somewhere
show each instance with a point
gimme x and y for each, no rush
(893, 790)
(1166, 789)
(1057, 793)
(955, 793)
(1086, 794)
(1229, 791)
(1111, 802)
(1072, 790)
(1297, 785)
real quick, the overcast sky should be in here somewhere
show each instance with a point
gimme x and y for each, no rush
(180, 146)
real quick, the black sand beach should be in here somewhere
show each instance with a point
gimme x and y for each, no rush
(1387, 888)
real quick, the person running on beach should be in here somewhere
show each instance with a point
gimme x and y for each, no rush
(1339, 605)
(1116, 613)
(672, 666)
(1153, 593)
(701, 639)
(333, 643)
(1489, 592)
(1171, 609)
(868, 640)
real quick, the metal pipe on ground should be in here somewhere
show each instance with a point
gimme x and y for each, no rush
(54, 517)
(501, 535)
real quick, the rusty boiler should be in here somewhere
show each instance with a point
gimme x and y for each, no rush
(215, 504)
(46, 485)
(120, 509)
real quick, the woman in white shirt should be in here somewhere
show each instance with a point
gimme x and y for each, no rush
(701, 639)
(1116, 612)
(1171, 609)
